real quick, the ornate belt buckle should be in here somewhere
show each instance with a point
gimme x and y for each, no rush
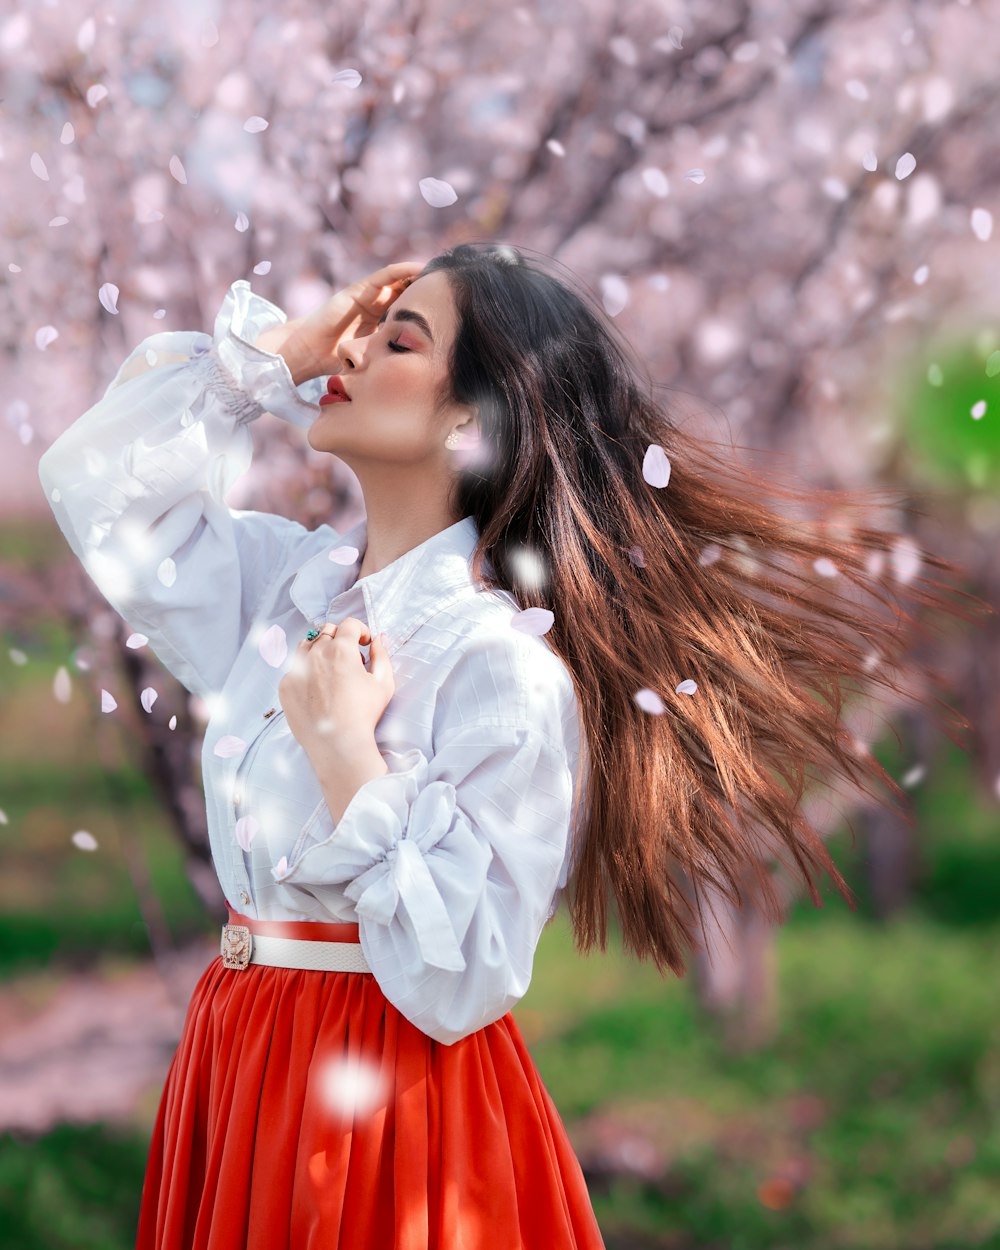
(236, 946)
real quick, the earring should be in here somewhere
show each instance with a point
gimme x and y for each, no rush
(453, 439)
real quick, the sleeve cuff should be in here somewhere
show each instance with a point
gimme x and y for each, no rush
(378, 849)
(263, 377)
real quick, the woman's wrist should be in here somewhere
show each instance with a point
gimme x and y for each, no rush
(290, 342)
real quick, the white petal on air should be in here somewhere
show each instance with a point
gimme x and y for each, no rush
(273, 646)
(38, 167)
(62, 684)
(228, 746)
(982, 223)
(45, 336)
(108, 295)
(906, 559)
(905, 166)
(687, 686)
(246, 830)
(825, 567)
(656, 465)
(96, 94)
(263, 266)
(254, 125)
(649, 701)
(166, 572)
(135, 640)
(347, 78)
(177, 169)
(84, 840)
(242, 221)
(147, 698)
(978, 409)
(437, 193)
(344, 554)
(534, 621)
(108, 701)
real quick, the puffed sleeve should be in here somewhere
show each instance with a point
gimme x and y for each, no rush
(452, 862)
(137, 485)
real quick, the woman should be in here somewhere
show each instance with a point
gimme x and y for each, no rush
(562, 596)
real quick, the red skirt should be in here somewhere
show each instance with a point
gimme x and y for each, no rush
(303, 1111)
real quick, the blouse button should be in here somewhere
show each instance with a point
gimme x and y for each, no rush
(244, 896)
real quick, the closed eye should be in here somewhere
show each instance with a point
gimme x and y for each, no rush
(394, 346)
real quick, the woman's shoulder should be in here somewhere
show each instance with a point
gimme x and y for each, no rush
(496, 670)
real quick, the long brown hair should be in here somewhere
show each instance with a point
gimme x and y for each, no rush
(658, 582)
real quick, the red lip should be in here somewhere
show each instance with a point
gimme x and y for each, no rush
(336, 387)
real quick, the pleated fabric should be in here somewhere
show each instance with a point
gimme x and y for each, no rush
(303, 1111)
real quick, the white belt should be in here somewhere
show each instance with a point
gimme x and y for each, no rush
(240, 947)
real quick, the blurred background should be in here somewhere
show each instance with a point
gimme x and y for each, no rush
(789, 212)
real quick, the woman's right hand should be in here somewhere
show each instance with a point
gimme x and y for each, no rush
(309, 344)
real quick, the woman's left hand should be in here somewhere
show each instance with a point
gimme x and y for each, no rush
(330, 700)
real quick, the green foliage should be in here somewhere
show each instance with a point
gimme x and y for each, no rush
(946, 447)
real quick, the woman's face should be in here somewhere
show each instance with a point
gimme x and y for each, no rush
(393, 376)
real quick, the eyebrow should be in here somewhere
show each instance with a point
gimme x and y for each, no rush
(407, 314)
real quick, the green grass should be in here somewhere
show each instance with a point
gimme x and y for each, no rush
(869, 1121)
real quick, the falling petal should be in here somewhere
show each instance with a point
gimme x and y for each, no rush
(160, 314)
(4, 820)
(62, 684)
(68, 133)
(86, 35)
(656, 466)
(935, 374)
(694, 175)
(228, 746)
(875, 563)
(17, 656)
(136, 640)
(263, 267)
(75, 189)
(14, 268)
(147, 698)
(982, 223)
(555, 147)
(172, 722)
(242, 221)
(144, 215)
(993, 364)
(246, 830)
(614, 293)
(254, 125)
(151, 357)
(177, 169)
(710, 553)
(437, 193)
(108, 295)
(347, 78)
(84, 840)
(59, 221)
(534, 621)
(108, 701)
(166, 572)
(687, 686)
(825, 567)
(45, 336)
(905, 166)
(273, 646)
(912, 776)
(281, 867)
(624, 50)
(856, 89)
(656, 181)
(649, 701)
(96, 94)
(870, 161)
(978, 409)
(38, 167)
(906, 559)
(344, 555)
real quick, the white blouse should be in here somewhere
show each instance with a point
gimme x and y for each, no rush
(453, 862)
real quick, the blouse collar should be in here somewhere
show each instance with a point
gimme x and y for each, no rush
(400, 596)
